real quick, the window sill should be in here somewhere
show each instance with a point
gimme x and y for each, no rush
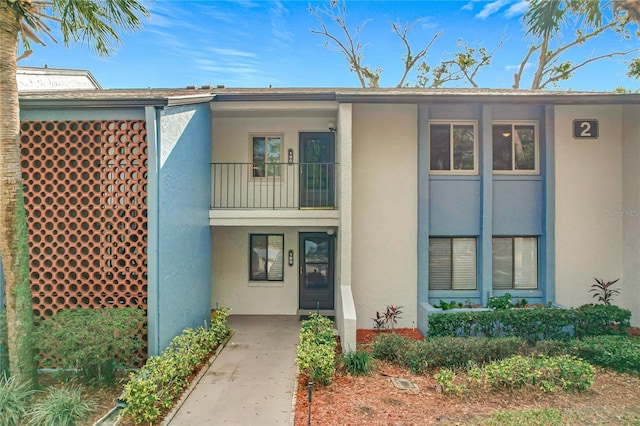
(266, 284)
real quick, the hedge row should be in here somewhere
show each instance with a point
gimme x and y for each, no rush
(533, 324)
(317, 349)
(153, 390)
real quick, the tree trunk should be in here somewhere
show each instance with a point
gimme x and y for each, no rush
(14, 245)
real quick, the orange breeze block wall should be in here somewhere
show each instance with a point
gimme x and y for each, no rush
(86, 200)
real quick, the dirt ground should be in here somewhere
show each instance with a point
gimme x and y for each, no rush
(614, 399)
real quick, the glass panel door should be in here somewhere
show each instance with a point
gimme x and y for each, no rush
(317, 170)
(316, 271)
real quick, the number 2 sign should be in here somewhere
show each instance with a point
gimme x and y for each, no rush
(585, 129)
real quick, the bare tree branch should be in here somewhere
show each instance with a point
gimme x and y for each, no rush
(568, 72)
(402, 31)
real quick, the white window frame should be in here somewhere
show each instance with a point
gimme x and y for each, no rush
(452, 123)
(452, 282)
(536, 151)
(265, 135)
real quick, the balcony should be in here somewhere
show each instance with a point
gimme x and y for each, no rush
(274, 186)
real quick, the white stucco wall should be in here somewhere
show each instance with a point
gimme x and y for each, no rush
(589, 232)
(230, 267)
(385, 224)
(630, 296)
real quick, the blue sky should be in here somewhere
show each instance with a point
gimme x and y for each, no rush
(256, 43)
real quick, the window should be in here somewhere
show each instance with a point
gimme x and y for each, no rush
(515, 148)
(267, 257)
(452, 263)
(266, 155)
(515, 263)
(452, 147)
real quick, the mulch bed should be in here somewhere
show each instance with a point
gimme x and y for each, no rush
(355, 400)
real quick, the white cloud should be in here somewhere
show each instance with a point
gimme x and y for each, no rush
(517, 9)
(512, 68)
(491, 8)
(468, 6)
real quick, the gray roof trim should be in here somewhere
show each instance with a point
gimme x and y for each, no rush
(555, 98)
(278, 96)
(111, 102)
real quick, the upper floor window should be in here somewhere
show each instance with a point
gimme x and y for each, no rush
(515, 263)
(452, 147)
(266, 155)
(515, 148)
(452, 263)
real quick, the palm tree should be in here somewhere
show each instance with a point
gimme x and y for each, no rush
(91, 22)
(546, 19)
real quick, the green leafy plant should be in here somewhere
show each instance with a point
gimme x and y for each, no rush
(446, 378)
(522, 303)
(92, 341)
(548, 374)
(61, 406)
(446, 306)
(602, 290)
(389, 346)
(379, 321)
(315, 354)
(154, 389)
(357, 362)
(500, 302)
(532, 324)
(14, 400)
(529, 417)
(619, 353)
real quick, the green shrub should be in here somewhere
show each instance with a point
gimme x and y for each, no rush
(64, 406)
(552, 347)
(546, 373)
(315, 354)
(619, 353)
(14, 401)
(419, 356)
(154, 388)
(357, 362)
(542, 417)
(92, 340)
(597, 320)
(532, 324)
(390, 347)
(447, 380)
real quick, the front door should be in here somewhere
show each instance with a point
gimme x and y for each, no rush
(316, 270)
(317, 163)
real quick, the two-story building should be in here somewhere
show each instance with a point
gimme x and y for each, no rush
(285, 201)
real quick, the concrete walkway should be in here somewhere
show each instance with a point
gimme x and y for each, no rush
(252, 380)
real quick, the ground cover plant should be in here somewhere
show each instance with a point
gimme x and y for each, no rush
(91, 343)
(315, 354)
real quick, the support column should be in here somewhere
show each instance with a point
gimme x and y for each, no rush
(485, 270)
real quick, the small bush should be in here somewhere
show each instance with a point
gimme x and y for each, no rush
(14, 401)
(357, 362)
(542, 417)
(389, 347)
(619, 353)
(599, 320)
(419, 356)
(546, 373)
(64, 406)
(315, 354)
(154, 388)
(92, 340)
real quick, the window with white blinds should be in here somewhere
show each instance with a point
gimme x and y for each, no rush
(452, 263)
(515, 263)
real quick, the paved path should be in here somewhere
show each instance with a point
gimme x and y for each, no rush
(252, 380)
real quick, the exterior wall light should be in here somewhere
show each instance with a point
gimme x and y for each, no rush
(290, 254)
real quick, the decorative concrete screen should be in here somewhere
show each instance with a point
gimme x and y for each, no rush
(85, 195)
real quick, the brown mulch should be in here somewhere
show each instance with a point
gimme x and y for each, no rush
(355, 400)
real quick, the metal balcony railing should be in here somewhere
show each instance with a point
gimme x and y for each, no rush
(273, 186)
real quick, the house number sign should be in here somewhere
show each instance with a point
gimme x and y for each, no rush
(585, 129)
